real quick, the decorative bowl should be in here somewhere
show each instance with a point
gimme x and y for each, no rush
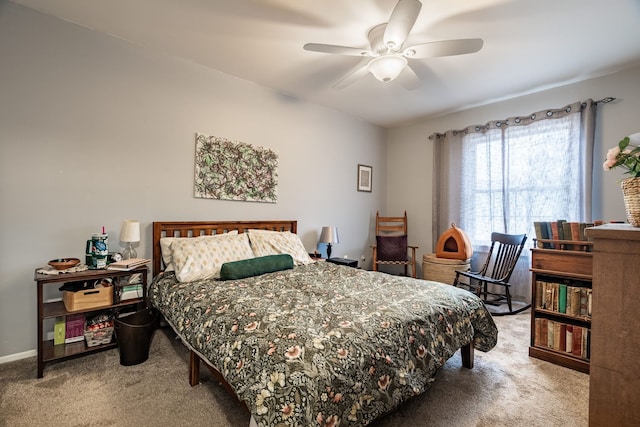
(64, 263)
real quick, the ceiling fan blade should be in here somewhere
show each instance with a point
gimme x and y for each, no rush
(336, 50)
(443, 48)
(353, 76)
(401, 22)
(408, 79)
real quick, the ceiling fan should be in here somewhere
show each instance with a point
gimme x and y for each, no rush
(387, 58)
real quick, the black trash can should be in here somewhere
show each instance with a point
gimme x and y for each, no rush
(134, 333)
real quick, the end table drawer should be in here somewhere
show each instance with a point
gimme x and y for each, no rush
(570, 262)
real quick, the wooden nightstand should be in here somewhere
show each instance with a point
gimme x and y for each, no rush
(47, 351)
(344, 261)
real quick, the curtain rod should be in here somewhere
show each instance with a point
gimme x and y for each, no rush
(604, 100)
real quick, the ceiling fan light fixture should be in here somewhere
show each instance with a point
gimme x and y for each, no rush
(388, 67)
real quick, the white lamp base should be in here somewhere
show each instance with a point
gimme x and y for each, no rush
(129, 252)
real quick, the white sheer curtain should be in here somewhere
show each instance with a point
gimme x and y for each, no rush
(507, 174)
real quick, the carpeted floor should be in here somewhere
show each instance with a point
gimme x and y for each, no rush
(505, 388)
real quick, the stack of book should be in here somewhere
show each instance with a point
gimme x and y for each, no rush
(131, 292)
(128, 264)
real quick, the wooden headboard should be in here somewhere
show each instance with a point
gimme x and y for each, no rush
(208, 228)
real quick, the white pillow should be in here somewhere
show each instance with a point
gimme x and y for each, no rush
(165, 247)
(201, 257)
(267, 242)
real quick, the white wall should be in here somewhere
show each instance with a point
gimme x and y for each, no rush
(410, 152)
(94, 130)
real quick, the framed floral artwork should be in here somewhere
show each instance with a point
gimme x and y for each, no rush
(230, 170)
(364, 178)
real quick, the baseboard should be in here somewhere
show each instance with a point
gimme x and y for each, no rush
(18, 356)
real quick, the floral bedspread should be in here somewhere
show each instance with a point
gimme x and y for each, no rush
(324, 344)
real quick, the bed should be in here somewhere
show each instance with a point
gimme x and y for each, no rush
(307, 342)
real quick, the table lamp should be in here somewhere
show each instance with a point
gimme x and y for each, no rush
(329, 235)
(130, 234)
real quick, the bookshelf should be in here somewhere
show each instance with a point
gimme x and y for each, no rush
(561, 289)
(48, 351)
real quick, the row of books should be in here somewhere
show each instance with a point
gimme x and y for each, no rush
(69, 330)
(561, 230)
(563, 298)
(563, 337)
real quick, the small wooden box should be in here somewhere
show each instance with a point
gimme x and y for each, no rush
(89, 298)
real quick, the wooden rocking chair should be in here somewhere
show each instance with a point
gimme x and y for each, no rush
(501, 260)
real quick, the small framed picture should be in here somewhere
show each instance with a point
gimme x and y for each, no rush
(364, 178)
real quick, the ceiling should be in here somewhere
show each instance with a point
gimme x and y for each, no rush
(529, 45)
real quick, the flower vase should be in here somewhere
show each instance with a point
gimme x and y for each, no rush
(631, 193)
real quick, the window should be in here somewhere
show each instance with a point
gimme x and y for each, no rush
(505, 175)
(514, 176)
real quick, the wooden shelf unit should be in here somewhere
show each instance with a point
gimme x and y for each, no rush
(570, 267)
(47, 351)
(615, 341)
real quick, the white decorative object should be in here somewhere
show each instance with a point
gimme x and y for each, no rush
(130, 234)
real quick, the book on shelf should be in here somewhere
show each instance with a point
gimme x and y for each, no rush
(539, 293)
(575, 301)
(575, 230)
(577, 341)
(128, 264)
(566, 226)
(74, 328)
(550, 234)
(543, 332)
(59, 331)
(540, 234)
(584, 302)
(555, 235)
(569, 339)
(560, 224)
(559, 336)
(562, 298)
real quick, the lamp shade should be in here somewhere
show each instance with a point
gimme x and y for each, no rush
(130, 231)
(387, 68)
(329, 235)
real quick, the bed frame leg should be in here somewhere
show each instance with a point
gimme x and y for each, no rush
(194, 369)
(467, 356)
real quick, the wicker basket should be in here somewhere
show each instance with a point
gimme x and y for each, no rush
(98, 336)
(442, 269)
(631, 192)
